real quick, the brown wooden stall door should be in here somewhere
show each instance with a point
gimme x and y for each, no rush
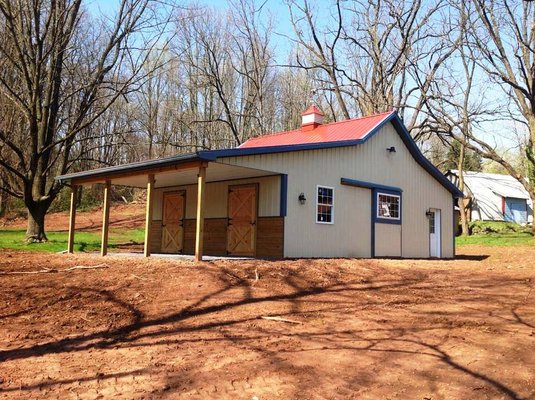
(172, 222)
(242, 212)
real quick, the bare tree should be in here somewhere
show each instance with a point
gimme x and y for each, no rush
(375, 56)
(320, 49)
(503, 34)
(61, 70)
(455, 104)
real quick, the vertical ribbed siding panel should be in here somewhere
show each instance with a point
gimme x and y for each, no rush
(387, 240)
(350, 235)
(216, 198)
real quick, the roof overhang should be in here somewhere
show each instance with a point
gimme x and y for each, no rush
(168, 172)
(184, 161)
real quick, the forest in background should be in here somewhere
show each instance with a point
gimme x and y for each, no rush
(82, 90)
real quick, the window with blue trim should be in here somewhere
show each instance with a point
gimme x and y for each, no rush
(388, 206)
(325, 205)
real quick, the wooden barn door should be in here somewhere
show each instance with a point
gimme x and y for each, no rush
(172, 222)
(242, 212)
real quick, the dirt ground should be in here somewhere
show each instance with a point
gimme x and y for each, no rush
(126, 216)
(367, 329)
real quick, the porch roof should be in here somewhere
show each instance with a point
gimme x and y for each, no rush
(140, 167)
(168, 172)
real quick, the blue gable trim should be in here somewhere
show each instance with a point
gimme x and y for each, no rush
(284, 195)
(420, 158)
(393, 118)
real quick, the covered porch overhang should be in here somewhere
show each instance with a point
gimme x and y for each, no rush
(156, 174)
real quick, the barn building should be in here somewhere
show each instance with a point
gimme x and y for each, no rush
(494, 197)
(354, 188)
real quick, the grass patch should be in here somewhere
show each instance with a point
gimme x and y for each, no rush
(83, 241)
(486, 227)
(498, 239)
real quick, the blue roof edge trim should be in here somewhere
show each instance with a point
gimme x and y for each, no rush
(369, 185)
(132, 167)
(421, 159)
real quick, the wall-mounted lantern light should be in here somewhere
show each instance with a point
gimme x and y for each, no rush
(429, 213)
(391, 149)
(302, 198)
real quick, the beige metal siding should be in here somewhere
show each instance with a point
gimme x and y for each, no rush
(350, 234)
(387, 240)
(216, 198)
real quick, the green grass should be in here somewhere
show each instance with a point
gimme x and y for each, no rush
(90, 241)
(498, 239)
(57, 241)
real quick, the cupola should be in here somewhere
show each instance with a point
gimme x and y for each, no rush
(311, 118)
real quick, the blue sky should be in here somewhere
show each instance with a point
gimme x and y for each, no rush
(277, 8)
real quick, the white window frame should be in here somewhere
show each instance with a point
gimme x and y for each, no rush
(378, 216)
(323, 204)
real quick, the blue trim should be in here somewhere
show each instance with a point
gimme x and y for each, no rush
(369, 185)
(454, 225)
(284, 195)
(420, 158)
(251, 151)
(396, 122)
(374, 212)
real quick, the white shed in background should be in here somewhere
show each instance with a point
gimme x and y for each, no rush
(495, 197)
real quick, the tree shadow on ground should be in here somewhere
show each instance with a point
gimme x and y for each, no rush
(471, 257)
(301, 290)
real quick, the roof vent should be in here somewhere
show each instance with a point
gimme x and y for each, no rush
(311, 118)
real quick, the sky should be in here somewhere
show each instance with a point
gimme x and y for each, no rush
(276, 8)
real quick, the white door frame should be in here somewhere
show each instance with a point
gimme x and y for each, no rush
(435, 233)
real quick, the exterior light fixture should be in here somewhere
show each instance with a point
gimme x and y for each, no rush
(429, 213)
(302, 198)
(391, 149)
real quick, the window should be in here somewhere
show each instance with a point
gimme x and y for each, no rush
(325, 205)
(388, 206)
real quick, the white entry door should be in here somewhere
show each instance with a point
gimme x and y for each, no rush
(434, 233)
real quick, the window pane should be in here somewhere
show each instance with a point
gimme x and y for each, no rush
(388, 206)
(324, 205)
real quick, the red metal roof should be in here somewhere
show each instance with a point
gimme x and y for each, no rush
(350, 129)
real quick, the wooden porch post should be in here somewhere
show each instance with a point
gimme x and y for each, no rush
(105, 219)
(72, 219)
(148, 214)
(201, 180)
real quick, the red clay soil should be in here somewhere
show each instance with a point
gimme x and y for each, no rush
(368, 329)
(125, 216)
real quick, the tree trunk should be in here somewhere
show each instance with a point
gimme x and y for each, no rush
(3, 197)
(35, 231)
(460, 201)
(3, 203)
